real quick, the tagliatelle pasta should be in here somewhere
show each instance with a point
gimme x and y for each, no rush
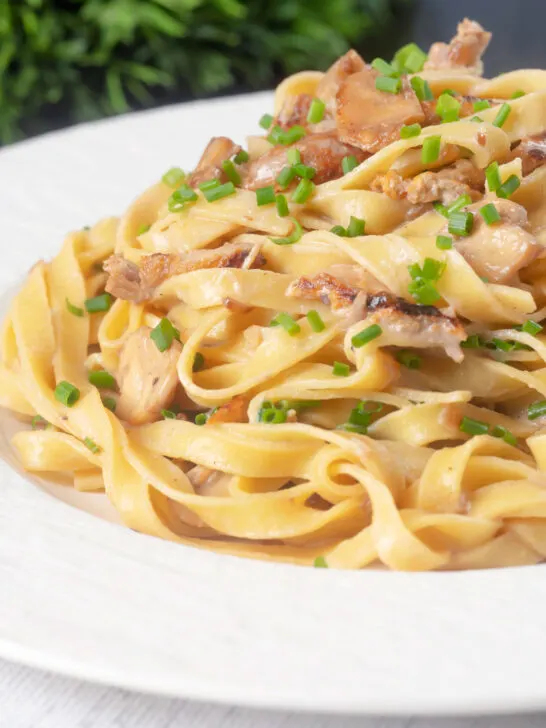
(327, 349)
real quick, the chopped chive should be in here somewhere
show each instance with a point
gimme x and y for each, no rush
(341, 370)
(286, 137)
(410, 130)
(173, 177)
(266, 121)
(39, 423)
(98, 303)
(481, 105)
(474, 341)
(241, 157)
(315, 321)
(143, 229)
(356, 227)
(432, 269)
(294, 236)
(285, 177)
(517, 94)
(91, 445)
(444, 242)
(431, 149)
(231, 173)
(477, 119)
(502, 115)
(198, 362)
(303, 191)
(102, 380)
(502, 345)
(388, 84)
(110, 403)
(265, 196)
(460, 223)
(422, 89)
(293, 156)
(287, 322)
(408, 359)
(536, 410)
(490, 213)
(424, 292)
(183, 195)
(508, 188)
(381, 66)
(217, 193)
(459, 203)
(409, 59)
(272, 413)
(473, 427)
(366, 335)
(320, 563)
(67, 393)
(282, 206)
(531, 327)
(316, 111)
(339, 230)
(447, 107)
(164, 334)
(201, 418)
(442, 209)
(74, 310)
(209, 184)
(305, 172)
(168, 414)
(349, 163)
(504, 434)
(492, 175)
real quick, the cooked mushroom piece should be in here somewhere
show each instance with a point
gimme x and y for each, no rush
(464, 51)
(210, 165)
(147, 378)
(532, 152)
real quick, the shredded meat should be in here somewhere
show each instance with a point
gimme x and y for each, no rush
(464, 51)
(412, 325)
(323, 287)
(147, 378)
(497, 252)
(233, 411)
(371, 119)
(324, 152)
(210, 165)
(532, 152)
(138, 283)
(445, 185)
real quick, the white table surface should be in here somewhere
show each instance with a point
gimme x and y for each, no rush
(34, 699)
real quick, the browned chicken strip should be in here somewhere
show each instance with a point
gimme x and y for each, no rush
(498, 252)
(137, 283)
(446, 185)
(338, 72)
(324, 152)
(371, 119)
(412, 325)
(323, 287)
(464, 51)
(532, 152)
(233, 411)
(147, 378)
(210, 165)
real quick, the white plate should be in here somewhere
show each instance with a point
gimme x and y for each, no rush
(88, 598)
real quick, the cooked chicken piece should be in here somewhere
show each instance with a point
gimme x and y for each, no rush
(233, 411)
(532, 152)
(331, 82)
(324, 152)
(464, 51)
(411, 325)
(294, 111)
(199, 476)
(147, 378)
(371, 119)
(337, 289)
(137, 283)
(210, 165)
(497, 252)
(445, 185)
(466, 109)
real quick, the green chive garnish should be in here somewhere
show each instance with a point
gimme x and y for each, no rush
(67, 393)
(448, 108)
(293, 237)
(409, 59)
(316, 111)
(98, 304)
(209, 184)
(502, 115)
(109, 403)
(508, 188)
(217, 193)
(477, 119)
(481, 105)
(266, 121)
(431, 149)
(168, 414)
(474, 341)
(424, 292)
(381, 66)
(411, 130)
(265, 196)
(285, 177)
(302, 170)
(458, 204)
(39, 423)
(490, 213)
(504, 434)
(241, 157)
(460, 223)
(198, 361)
(201, 418)
(320, 563)
(408, 359)
(422, 89)
(492, 175)
(287, 322)
(442, 209)
(75, 310)
(388, 84)
(349, 163)
(531, 327)
(315, 321)
(356, 227)
(473, 427)
(102, 380)
(91, 445)
(143, 229)
(282, 206)
(231, 173)
(339, 230)
(444, 242)
(517, 94)
(366, 335)
(293, 156)
(303, 191)
(164, 334)
(340, 370)
(536, 410)
(173, 177)
(182, 195)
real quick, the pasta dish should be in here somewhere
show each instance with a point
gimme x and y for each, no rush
(323, 347)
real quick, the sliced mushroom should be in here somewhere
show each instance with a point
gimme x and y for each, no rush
(464, 51)
(210, 165)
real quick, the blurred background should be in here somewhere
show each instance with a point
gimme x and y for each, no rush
(67, 61)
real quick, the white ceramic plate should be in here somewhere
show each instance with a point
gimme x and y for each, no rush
(86, 597)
